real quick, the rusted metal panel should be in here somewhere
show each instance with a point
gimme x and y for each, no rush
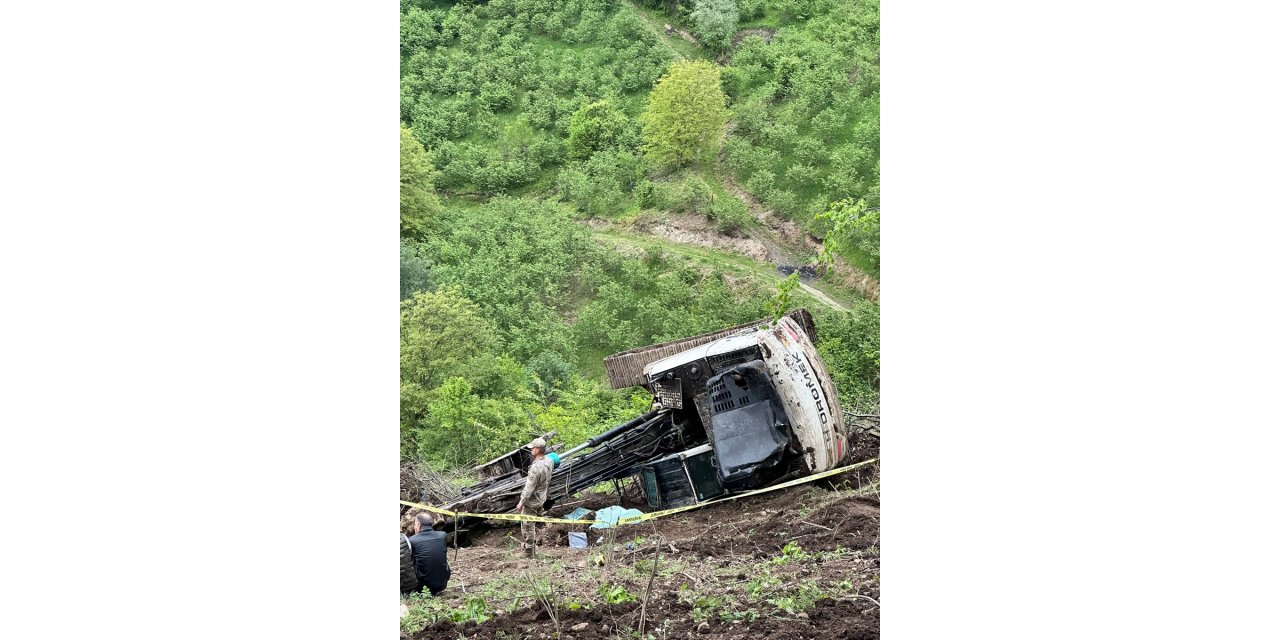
(626, 369)
(669, 393)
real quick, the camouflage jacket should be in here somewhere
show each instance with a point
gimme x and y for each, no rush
(535, 487)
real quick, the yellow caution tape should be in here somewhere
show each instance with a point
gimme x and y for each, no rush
(817, 476)
(519, 517)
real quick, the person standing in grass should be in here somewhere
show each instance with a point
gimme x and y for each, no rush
(534, 494)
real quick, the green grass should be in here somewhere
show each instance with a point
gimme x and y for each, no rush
(758, 273)
(675, 43)
(773, 18)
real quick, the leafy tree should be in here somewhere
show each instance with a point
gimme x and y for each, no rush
(415, 270)
(685, 117)
(464, 428)
(854, 234)
(443, 334)
(600, 185)
(521, 261)
(595, 127)
(715, 22)
(418, 201)
(802, 9)
(549, 374)
(417, 31)
(690, 195)
(586, 408)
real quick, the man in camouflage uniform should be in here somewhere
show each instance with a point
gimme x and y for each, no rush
(534, 494)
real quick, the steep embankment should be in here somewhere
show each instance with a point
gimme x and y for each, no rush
(796, 563)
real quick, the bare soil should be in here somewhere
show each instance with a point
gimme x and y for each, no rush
(795, 563)
(696, 230)
(765, 34)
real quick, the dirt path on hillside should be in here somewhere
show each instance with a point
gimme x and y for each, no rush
(658, 31)
(798, 240)
(696, 231)
(826, 299)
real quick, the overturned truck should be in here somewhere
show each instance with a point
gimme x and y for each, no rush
(733, 410)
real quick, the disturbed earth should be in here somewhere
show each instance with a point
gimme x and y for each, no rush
(796, 563)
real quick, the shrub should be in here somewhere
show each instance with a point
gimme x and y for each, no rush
(690, 195)
(750, 9)
(730, 214)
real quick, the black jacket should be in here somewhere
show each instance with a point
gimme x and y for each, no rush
(430, 559)
(408, 575)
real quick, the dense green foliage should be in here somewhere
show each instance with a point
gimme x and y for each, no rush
(854, 234)
(807, 108)
(599, 126)
(520, 117)
(418, 201)
(849, 344)
(468, 71)
(715, 22)
(685, 116)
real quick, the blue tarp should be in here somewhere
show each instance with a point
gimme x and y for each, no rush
(577, 514)
(609, 516)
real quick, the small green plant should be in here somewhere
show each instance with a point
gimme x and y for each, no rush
(616, 594)
(747, 615)
(781, 301)
(704, 607)
(791, 552)
(425, 610)
(475, 610)
(762, 584)
(797, 600)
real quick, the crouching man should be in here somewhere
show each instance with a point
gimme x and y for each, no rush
(429, 554)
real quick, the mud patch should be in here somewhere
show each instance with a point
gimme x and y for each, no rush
(732, 552)
(696, 230)
(830, 619)
(764, 34)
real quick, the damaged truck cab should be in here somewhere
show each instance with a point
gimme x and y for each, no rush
(766, 403)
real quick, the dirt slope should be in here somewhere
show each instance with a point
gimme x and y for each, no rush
(796, 563)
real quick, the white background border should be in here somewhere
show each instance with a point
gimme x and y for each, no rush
(199, 352)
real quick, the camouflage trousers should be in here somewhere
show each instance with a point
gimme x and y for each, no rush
(531, 531)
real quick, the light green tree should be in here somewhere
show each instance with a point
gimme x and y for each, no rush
(418, 200)
(685, 117)
(443, 334)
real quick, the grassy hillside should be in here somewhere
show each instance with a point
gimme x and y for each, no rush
(490, 87)
(524, 121)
